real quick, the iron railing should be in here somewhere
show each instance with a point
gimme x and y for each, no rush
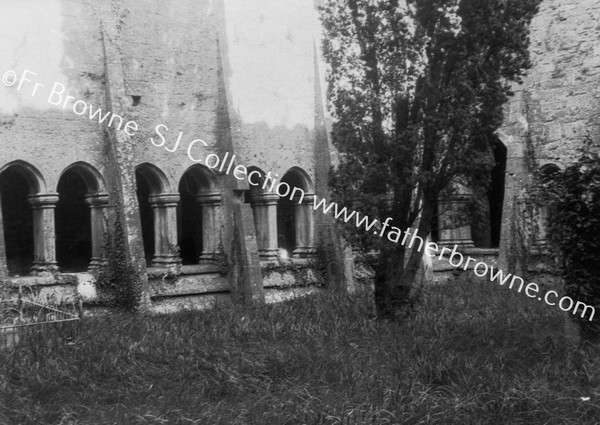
(21, 319)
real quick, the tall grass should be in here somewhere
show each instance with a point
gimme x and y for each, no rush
(472, 353)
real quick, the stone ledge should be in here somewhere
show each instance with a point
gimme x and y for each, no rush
(194, 269)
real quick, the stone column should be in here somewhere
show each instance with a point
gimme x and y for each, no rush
(165, 230)
(265, 220)
(453, 219)
(44, 234)
(210, 206)
(98, 205)
(3, 260)
(305, 245)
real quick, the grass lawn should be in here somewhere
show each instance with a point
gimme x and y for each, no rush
(473, 353)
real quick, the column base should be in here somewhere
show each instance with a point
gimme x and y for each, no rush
(166, 261)
(268, 254)
(96, 264)
(303, 252)
(208, 258)
(44, 269)
(461, 243)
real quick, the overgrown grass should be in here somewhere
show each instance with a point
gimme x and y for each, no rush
(473, 353)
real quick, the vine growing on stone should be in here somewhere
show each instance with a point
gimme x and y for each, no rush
(117, 279)
(573, 196)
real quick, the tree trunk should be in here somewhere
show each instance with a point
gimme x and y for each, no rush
(395, 276)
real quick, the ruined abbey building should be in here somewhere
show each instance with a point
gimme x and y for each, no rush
(248, 81)
(245, 83)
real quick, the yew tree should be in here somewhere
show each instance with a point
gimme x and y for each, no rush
(416, 90)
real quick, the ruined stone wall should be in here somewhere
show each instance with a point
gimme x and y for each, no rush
(558, 105)
(241, 80)
(169, 54)
(47, 136)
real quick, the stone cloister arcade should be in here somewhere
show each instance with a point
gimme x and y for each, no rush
(63, 230)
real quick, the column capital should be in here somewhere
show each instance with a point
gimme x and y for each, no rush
(98, 200)
(265, 198)
(48, 200)
(210, 198)
(308, 199)
(164, 200)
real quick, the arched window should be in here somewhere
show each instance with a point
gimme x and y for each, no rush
(28, 220)
(487, 230)
(198, 216)
(264, 207)
(15, 186)
(158, 217)
(80, 218)
(295, 226)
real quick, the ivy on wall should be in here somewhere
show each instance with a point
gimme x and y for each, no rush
(117, 281)
(573, 196)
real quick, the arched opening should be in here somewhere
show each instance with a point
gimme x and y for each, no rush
(294, 215)
(73, 224)
(286, 215)
(17, 215)
(150, 181)
(495, 193)
(143, 191)
(487, 228)
(190, 224)
(548, 170)
(264, 208)
(195, 215)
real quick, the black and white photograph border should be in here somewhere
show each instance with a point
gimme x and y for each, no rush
(299, 212)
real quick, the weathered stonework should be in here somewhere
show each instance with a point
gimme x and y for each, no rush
(189, 230)
(554, 110)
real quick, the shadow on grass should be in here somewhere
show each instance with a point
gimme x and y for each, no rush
(473, 353)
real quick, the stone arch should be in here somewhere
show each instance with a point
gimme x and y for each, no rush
(549, 168)
(80, 212)
(155, 202)
(199, 178)
(154, 176)
(92, 178)
(486, 233)
(300, 179)
(295, 225)
(34, 178)
(23, 235)
(256, 180)
(264, 206)
(198, 216)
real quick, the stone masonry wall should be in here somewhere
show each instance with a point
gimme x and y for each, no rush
(558, 105)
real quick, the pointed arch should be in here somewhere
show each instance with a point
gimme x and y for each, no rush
(264, 207)
(295, 225)
(151, 183)
(197, 179)
(91, 177)
(155, 178)
(297, 177)
(198, 215)
(31, 174)
(19, 183)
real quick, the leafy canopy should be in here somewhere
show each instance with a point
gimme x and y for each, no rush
(417, 89)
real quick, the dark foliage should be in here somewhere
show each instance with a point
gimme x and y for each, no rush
(118, 281)
(574, 229)
(417, 90)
